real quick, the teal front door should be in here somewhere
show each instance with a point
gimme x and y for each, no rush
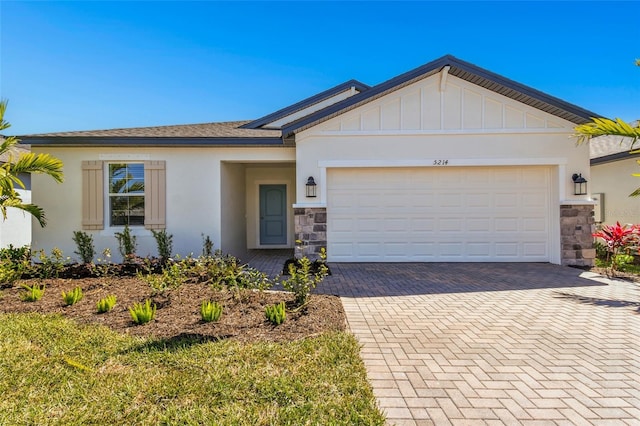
(273, 214)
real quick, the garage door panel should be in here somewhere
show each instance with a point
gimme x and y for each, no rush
(479, 224)
(438, 214)
(534, 224)
(479, 250)
(506, 249)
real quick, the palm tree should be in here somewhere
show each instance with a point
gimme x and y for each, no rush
(24, 163)
(606, 127)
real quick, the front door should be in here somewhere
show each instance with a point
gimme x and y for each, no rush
(273, 214)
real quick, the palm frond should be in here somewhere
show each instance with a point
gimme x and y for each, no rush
(3, 107)
(17, 203)
(607, 127)
(38, 163)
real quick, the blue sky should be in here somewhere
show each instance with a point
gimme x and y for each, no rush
(96, 65)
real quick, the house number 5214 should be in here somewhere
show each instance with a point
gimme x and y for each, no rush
(440, 162)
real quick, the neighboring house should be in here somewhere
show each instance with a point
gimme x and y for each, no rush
(612, 180)
(16, 229)
(447, 162)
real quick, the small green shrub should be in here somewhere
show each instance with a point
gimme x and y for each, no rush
(9, 272)
(207, 246)
(302, 280)
(172, 277)
(276, 314)
(622, 260)
(16, 254)
(84, 243)
(72, 296)
(106, 304)
(142, 313)
(164, 242)
(210, 311)
(50, 266)
(126, 244)
(33, 293)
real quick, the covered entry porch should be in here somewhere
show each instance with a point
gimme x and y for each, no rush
(256, 206)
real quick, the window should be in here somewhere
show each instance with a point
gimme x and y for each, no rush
(126, 194)
(133, 194)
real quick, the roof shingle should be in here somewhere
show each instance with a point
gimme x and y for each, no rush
(227, 129)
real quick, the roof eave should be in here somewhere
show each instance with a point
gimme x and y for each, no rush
(65, 141)
(613, 157)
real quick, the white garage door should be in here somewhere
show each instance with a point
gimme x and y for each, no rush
(445, 214)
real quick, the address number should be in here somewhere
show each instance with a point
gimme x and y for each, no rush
(440, 162)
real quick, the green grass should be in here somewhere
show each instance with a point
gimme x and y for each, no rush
(55, 371)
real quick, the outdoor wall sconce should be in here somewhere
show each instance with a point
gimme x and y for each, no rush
(579, 184)
(311, 187)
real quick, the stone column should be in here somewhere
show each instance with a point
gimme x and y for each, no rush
(576, 228)
(310, 231)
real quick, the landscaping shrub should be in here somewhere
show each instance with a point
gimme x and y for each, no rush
(276, 314)
(16, 255)
(50, 266)
(9, 273)
(164, 241)
(302, 280)
(106, 304)
(142, 313)
(207, 246)
(84, 243)
(72, 296)
(33, 293)
(210, 311)
(126, 244)
(618, 239)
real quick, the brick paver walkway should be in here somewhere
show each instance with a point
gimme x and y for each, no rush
(473, 344)
(515, 344)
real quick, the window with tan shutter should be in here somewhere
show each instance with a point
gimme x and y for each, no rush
(155, 195)
(92, 195)
(133, 194)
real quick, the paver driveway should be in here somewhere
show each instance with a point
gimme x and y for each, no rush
(494, 343)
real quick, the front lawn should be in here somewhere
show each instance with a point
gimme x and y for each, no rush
(56, 371)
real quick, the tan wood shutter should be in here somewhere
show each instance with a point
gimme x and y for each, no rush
(155, 194)
(92, 195)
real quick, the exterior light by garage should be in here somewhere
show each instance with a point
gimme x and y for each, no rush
(579, 184)
(311, 187)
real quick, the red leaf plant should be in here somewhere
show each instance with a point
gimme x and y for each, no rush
(618, 237)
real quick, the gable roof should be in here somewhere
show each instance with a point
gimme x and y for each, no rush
(306, 103)
(252, 133)
(458, 68)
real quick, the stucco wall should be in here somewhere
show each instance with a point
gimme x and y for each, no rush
(194, 196)
(16, 228)
(616, 182)
(233, 231)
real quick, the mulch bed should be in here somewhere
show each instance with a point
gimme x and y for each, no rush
(178, 313)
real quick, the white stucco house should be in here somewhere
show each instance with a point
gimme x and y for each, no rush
(612, 180)
(15, 230)
(446, 162)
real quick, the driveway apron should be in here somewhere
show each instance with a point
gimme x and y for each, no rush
(473, 343)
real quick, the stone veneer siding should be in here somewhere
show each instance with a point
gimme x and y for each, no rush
(311, 230)
(576, 228)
